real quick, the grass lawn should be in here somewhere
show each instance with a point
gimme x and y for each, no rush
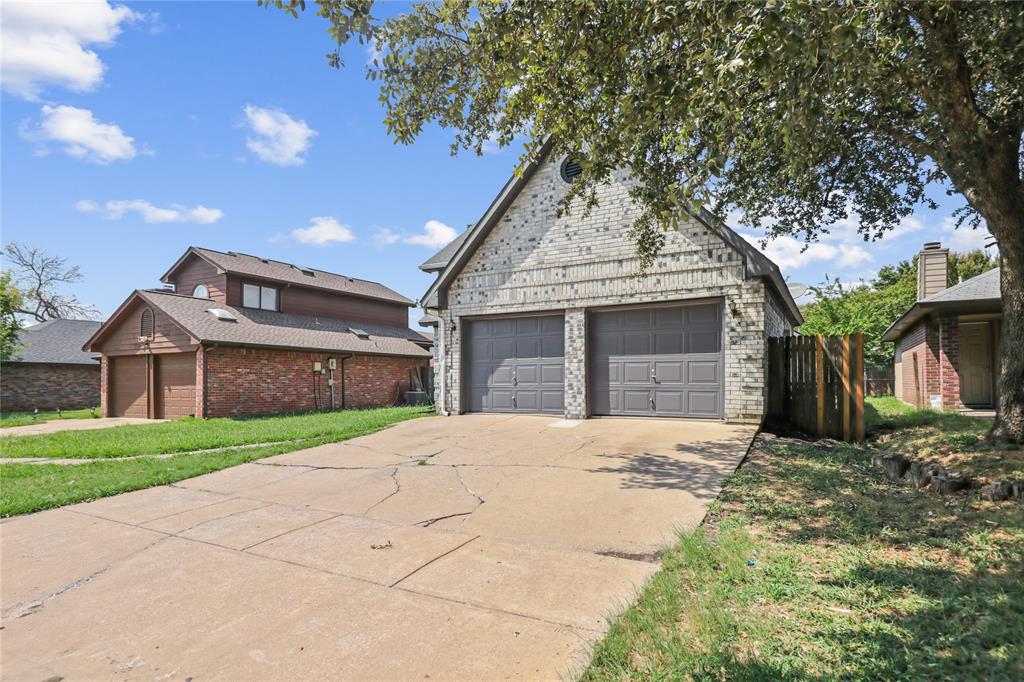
(32, 487)
(187, 435)
(813, 565)
(23, 418)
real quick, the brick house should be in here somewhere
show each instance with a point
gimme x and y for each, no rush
(536, 312)
(237, 335)
(947, 344)
(50, 370)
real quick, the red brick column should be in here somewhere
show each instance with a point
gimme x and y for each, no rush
(949, 362)
(932, 375)
(200, 382)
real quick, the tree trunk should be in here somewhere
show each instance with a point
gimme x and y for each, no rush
(1010, 409)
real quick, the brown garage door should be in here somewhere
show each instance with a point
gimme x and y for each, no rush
(127, 379)
(657, 362)
(176, 382)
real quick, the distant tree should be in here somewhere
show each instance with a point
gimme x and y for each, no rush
(10, 301)
(872, 307)
(794, 112)
(40, 278)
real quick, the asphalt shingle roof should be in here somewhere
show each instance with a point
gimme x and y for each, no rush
(979, 288)
(57, 342)
(282, 330)
(440, 259)
(244, 264)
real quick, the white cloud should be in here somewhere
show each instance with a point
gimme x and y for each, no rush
(323, 230)
(435, 235)
(966, 239)
(175, 213)
(46, 43)
(382, 236)
(277, 137)
(81, 135)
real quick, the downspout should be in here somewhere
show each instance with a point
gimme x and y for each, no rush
(442, 365)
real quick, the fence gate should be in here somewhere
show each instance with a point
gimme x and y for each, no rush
(816, 384)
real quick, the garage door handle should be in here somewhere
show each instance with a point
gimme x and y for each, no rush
(652, 402)
(515, 378)
(654, 377)
(514, 404)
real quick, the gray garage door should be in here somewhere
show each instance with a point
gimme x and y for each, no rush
(660, 362)
(515, 365)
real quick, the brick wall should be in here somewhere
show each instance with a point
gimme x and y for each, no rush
(249, 381)
(949, 363)
(26, 386)
(535, 260)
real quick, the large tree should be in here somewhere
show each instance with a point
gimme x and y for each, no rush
(10, 301)
(42, 279)
(796, 113)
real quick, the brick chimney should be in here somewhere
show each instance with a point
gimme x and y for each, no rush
(932, 265)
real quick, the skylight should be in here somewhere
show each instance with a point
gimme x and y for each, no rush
(359, 332)
(222, 314)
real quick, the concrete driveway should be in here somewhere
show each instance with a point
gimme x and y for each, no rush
(481, 546)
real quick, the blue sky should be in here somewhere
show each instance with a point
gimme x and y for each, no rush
(132, 131)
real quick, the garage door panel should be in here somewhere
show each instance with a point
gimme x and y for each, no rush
(668, 343)
(669, 402)
(515, 364)
(176, 385)
(128, 378)
(683, 346)
(552, 375)
(636, 373)
(703, 403)
(669, 371)
(703, 371)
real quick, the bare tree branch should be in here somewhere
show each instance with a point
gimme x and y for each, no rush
(40, 278)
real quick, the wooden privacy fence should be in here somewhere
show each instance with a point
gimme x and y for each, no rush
(816, 384)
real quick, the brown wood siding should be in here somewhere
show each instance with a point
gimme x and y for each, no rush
(124, 338)
(176, 385)
(297, 300)
(127, 381)
(912, 384)
(196, 271)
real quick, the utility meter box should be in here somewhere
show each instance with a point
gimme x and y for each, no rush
(332, 364)
(317, 367)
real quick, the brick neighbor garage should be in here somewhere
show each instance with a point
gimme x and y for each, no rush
(50, 371)
(214, 353)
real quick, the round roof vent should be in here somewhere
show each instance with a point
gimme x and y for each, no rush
(571, 168)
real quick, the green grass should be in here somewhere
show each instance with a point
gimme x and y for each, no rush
(853, 576)
(186, 435)
(27, 487)
(10, 419)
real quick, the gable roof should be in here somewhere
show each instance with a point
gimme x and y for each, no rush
(978, 294)
(279, 271)
(57, 342)
(755, 262)
(271, 329)
(440, 259)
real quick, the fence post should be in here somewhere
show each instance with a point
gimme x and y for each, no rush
(846, 387)
(858, 402)
(819, 381)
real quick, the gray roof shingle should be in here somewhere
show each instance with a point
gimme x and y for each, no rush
(978, 288)
(57, 342)
(244, 264)
(440, 259)
(282, 330)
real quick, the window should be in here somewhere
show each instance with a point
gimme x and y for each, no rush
(255, 296)
(201, 291)
(570, 169)
(146, 324)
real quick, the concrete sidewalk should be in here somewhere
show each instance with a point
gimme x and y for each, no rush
(454, 548)
(55, 425)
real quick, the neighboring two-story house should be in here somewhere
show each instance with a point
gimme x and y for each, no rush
(234, 334)
(537, 312)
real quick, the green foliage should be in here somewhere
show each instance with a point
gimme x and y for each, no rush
(792, 111)
(873, 307)
(10, 301)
